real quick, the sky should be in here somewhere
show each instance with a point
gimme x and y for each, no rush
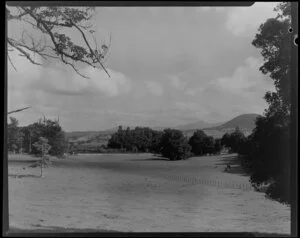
(169, 65)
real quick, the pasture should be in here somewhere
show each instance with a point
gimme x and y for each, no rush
(140, 193)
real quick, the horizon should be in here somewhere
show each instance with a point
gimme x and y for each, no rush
(167, 65)
(161, 127)
(174, 127)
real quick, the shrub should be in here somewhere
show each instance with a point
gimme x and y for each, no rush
(234, 140)
(174, 145)
(203, 144)
(197, 142)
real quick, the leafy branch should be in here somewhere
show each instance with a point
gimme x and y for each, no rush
(50, 21)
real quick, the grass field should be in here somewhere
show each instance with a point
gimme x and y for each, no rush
(140, 193)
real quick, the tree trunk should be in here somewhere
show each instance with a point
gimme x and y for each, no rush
(41, 169)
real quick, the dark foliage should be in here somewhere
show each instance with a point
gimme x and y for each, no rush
(15, 136)
(139, 139)
(174, 145)
(234, 141)
(203, 144)
(51, 130)
(266, 153)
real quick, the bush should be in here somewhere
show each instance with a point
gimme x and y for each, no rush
(217, 146)
(277, 191)
(197, 142)
(233, 141)
(202, 144)
(139, 139)
(266, 155)
(174, 145)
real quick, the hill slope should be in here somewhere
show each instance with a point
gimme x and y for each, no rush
(245, 121)
(197, 125)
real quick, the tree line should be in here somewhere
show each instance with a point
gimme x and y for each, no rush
(268, 150)
(266, 153)
(170, 143)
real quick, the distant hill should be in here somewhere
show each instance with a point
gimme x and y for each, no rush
(197, 125)
(80, 135)
(115, 129)
(85, 136)
(245, 121)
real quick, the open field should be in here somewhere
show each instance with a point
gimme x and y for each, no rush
(140, 193)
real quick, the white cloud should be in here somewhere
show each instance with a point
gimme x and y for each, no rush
(114, 86)
(62, 78)
(194, 91)
(155, 87)
(65, 80)
(244, 20)
(44, 88)
(24, 72)
(19, 78)
(237, 93)
(243, 78)
(187, 106)
(177, 82)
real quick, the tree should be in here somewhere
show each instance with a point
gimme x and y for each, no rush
(174, 145)
(117, 140)
(234, 140)
(225, 140)
(156, 142)
(52, 131)
(137, 139)
(72, 147)
(43, 148)
(59, 144)
(275, 42)
(269, 155)
(14, 134)
(56, 137)
(51, 23)
(217, 146)
(197, 142)
(208, 145)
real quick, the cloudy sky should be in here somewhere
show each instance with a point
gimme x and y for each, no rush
(169, 66)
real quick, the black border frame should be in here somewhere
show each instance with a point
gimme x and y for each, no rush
(94, 233)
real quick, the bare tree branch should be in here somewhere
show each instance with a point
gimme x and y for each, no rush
(57, 47)
(87, 43)
(18, 110)
(11, 62)
(57, 18)
(24, 53)
(72, 65)
(16, 17)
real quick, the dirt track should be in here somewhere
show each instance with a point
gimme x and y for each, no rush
(141, 193)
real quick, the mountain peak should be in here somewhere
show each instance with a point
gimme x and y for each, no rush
(244, 121)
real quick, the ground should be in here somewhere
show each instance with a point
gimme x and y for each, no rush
(140, 193)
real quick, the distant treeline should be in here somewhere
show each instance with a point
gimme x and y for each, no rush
(170, 143)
